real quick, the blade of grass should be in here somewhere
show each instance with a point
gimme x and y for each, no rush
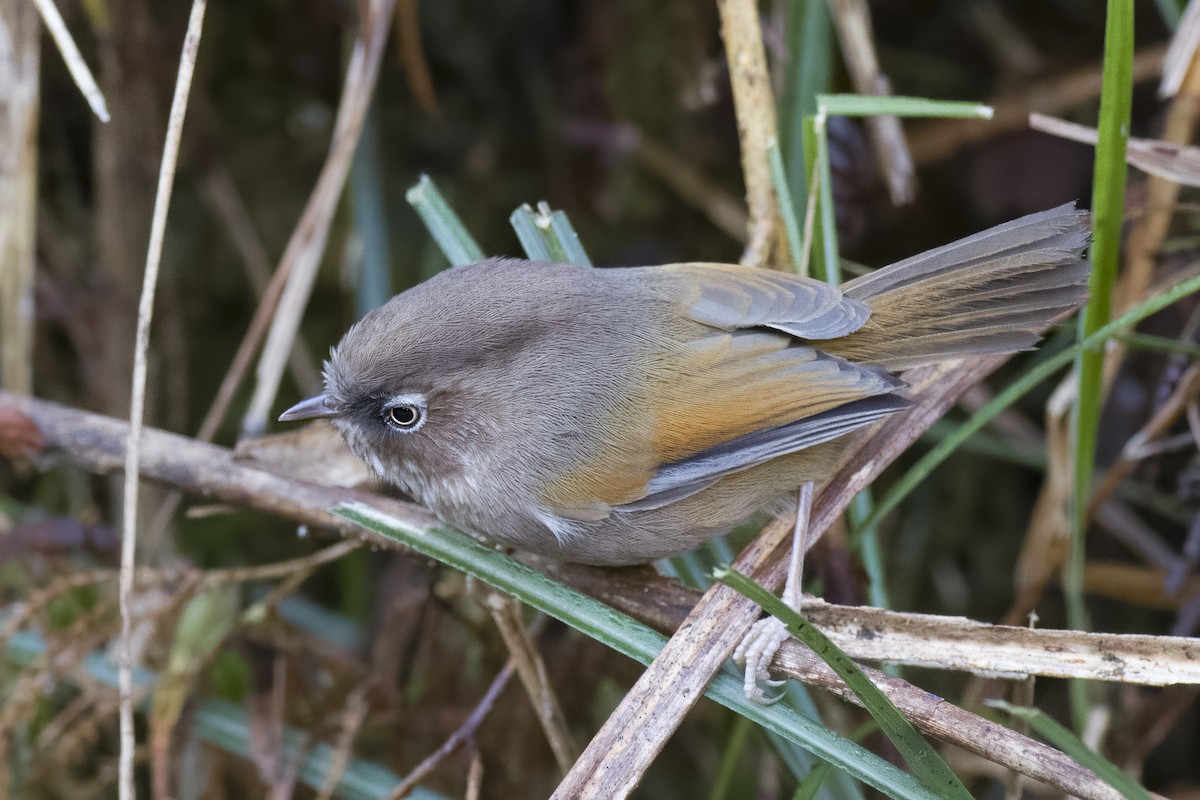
(1146, 341)
(533, 231)
(858, 105)
(812, 783)
(825, 242)
(924, 761)
(787, 208)
(1108, 206)
(568, 239)
(632, 639)
(1019, 388)
(809, 72)
(730, 754)
(866, 539)
(547, 235)
(444, 225)
(1072, 745)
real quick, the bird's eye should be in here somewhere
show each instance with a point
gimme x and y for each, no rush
(404, 416)
(404, 412)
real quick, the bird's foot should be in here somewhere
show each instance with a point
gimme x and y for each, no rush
(754, 654)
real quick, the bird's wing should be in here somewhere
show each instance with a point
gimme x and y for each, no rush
(730, 297)
(732, 385)
(684, 478)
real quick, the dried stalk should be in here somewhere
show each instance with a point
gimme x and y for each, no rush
(158, 226)
(755, 108)
(19, 62)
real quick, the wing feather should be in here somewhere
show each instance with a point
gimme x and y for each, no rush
(730, 297)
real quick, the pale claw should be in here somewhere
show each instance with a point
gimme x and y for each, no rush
(754, 654)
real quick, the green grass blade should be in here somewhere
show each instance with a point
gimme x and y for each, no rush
(730, 755)
(547, 235)
(787, 208)
(809, 71)
(815, 780)
(826, 263)
(870, 552)
(627, 636)
(1108, 207)
(568, 239)
(1019, 388)
(859, 105)
(534, 238)
(1062, 738)
(444, 225)
(1146, 341)
(924, 761)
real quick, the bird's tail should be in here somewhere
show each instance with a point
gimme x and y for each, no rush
(994, 292)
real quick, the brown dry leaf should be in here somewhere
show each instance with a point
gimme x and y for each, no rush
(19, 435)
(315, 453)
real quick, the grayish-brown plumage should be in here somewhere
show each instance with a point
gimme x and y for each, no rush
(614, 416)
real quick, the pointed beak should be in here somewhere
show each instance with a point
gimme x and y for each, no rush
(314, 407)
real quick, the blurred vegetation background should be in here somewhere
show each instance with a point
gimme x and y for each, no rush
(618, 112)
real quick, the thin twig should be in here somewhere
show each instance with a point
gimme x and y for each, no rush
(75, 64)
(158, 226)
(464, 732)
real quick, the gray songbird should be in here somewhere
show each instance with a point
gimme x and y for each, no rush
(615, 416)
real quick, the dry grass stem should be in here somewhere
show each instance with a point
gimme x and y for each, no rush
(1182, 53)
(19, 88)
(754, 105)
(162, 202)
(960, 644)
(506, 613)
(1176, 163)
(303, 254)
(70, 52)
(852, 19)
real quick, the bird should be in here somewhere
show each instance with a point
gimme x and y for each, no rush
(614, 416)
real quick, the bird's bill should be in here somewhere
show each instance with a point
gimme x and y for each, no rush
(314, 407)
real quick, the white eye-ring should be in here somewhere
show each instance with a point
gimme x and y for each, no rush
(405, 412)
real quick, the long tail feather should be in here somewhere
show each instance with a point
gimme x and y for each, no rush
(994, 292)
